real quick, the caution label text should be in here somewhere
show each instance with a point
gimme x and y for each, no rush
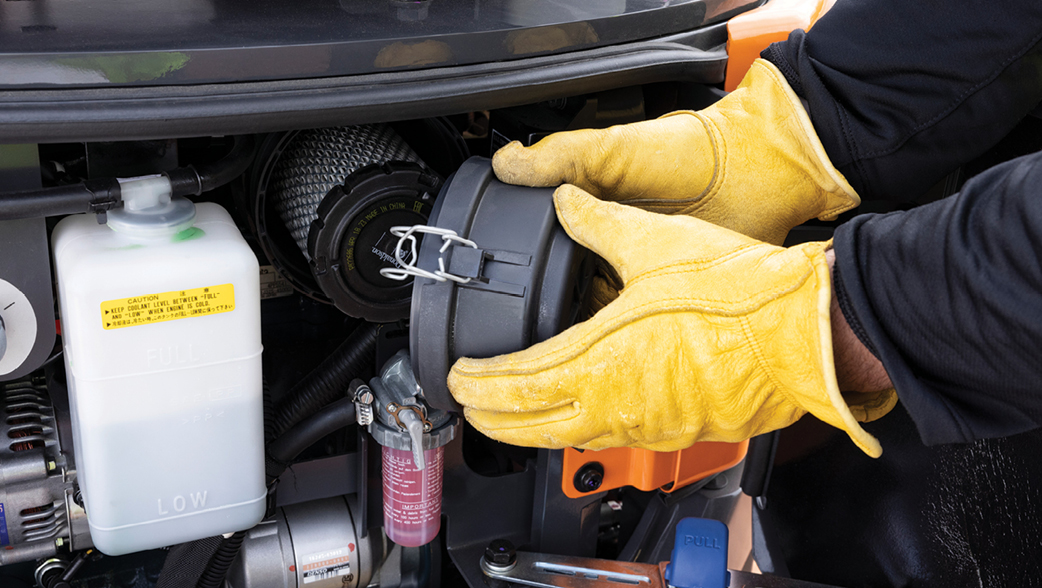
(167, 306)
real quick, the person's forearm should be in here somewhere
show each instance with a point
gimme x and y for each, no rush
(857, 370)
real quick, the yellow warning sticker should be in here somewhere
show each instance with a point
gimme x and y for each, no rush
(167, 306)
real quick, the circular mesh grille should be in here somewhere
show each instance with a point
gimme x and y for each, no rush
(318, 159)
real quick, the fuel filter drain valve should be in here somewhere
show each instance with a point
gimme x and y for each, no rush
(413, 437)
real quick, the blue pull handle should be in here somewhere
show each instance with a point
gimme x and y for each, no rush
(699, 558)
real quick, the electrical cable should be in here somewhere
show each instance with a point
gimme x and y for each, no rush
(217, 568)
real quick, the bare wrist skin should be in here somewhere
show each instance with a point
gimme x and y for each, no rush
(857, 370)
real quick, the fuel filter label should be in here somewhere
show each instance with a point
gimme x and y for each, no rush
(167, 306)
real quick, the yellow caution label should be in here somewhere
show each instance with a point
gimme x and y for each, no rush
(167, 306)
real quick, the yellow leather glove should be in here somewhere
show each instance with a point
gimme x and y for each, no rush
(751, 162)
(714, 337)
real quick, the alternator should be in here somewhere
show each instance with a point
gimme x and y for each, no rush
(36, 487)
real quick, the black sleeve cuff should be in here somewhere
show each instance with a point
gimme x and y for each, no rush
(936, 421)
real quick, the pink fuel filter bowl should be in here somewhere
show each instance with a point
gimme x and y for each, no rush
(412, 437)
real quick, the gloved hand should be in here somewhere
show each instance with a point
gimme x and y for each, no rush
(751, 162)
(714, 337)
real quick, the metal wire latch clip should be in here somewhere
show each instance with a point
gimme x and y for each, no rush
(407, 269)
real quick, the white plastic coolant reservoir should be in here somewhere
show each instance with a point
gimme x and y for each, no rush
(160, 319)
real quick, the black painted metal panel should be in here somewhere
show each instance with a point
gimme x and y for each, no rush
(110, 114)
(108, 43)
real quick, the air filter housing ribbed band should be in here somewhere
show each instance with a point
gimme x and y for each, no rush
(316, 160)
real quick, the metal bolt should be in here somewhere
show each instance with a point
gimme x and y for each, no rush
(392, 407)
(589, 477)
(426, 427)
(501, 553)
(51, 466)
(59, 542)
(363, 394)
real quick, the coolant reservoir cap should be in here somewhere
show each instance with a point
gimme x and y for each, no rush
(148, 209)
(525, 282)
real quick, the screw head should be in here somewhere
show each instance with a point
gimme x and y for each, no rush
(589, 477)
(501, 552)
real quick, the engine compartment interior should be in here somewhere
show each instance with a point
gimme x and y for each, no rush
(353, 363)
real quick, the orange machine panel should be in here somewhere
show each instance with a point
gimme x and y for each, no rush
(751, 32)
(648, 470)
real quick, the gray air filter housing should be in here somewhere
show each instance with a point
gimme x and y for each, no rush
(527, 277)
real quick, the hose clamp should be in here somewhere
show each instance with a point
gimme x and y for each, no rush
(363, 399)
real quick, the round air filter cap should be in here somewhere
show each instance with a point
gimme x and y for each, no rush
(350, 241)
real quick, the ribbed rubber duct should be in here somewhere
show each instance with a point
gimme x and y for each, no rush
(316, 160)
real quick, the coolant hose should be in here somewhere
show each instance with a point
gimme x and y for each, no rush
(306, 433)
(103, 194)
(328, 381)
(90, 196)
(194, 180)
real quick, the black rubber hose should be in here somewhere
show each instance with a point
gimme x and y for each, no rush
(90, 196)
(65, 581)
(306, 433)
(217, 568)
(194, 180)
(328, 381)
(104, 194)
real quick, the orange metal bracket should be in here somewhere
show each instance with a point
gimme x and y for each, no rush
(751, 32)
(648, 470)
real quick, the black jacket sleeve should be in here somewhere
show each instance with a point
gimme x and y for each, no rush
(949, 295)
(902, 92)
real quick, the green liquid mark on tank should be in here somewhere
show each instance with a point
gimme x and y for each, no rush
(188, 234)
